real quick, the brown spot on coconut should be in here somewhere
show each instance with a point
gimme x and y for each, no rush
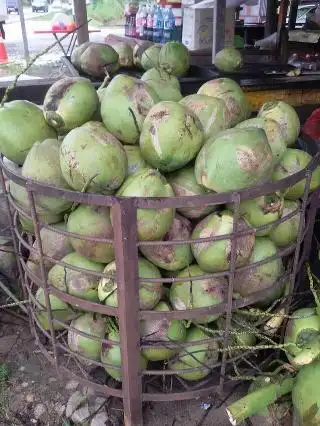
(76, 283)
(53, 245)
(215, 256)
(99, 60)
(200, 293)
(177, 138)
(184, 184)
(92, 221)
(152, 224)
(150, 293)
(69, 103)
(235, 159)
(92, 158)
(172, 258)
(233, 96)
(211, 112)
(125, 105)
(262, 277)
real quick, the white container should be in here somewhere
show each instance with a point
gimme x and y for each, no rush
(197, 28)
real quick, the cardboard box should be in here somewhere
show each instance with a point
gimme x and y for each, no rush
(197, 28)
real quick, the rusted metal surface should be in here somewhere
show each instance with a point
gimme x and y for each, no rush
(153, 384)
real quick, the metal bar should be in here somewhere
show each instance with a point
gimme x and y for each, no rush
(271, 17)
(293, 14)
(219, 17)
(232, 267)
(125, 233)
(44, 277)
(12, 296)
(59, 43)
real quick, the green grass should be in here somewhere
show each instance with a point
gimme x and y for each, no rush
(106, 11)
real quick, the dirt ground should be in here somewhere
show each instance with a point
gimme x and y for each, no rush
(32, 394)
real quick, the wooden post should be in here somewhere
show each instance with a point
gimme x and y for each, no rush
(229, 27)
(80, 14)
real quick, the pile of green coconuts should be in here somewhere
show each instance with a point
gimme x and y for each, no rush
(142, 138)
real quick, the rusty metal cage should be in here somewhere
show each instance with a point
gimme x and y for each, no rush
(139, 385)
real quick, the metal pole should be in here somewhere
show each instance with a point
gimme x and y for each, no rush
(80, 14)
(124, 215)
(219, 18)
(24, 32)
(293, 14)
(271, 17)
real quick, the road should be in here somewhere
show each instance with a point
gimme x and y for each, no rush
(38, 42)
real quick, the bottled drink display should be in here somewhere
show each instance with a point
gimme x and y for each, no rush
(149, 21)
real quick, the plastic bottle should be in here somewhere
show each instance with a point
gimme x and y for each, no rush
(127, 15)
(168, 25)
(150, 23)
(158, 25)
(138, 21)
(145, 28)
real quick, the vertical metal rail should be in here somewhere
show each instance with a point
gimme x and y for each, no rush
(44, 277)
(233, 258)
(219, 17)
(124, 217)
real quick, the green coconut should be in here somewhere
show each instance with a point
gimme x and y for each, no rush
(150, 57)
(302, 327)
(136, 162)
(20, 196)
(92, 158)
(16, 134)
(155, 332)
(111, 356)
(138, 52)
(184, 184)
(306, 396)
(42, 164)
(173, 257)
(274, 132)
(286, 233)
(171, 136)
(194, 294)
(235, 159)
(79, 284)
(174, 58)
(228, 60)
(99, 60)
(292, 162)
(150, 293)
(200, 357)
(60, 311)
(215, 256)
(237, 105)
(93, 325)
(69, 103)
(92, 221)
(125, 53)
(53, 245)
(285, 116)
(125, 106)
(211, 113)
(43, 216)
(166, 86)
(152, 224)
(262, 277)
(77, 52)
(262, 211)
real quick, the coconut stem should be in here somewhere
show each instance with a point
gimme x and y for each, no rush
(309, 353)
(313, 291)
(257, 401)
(273, 325)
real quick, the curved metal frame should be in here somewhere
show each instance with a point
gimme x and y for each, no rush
(126, 246)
